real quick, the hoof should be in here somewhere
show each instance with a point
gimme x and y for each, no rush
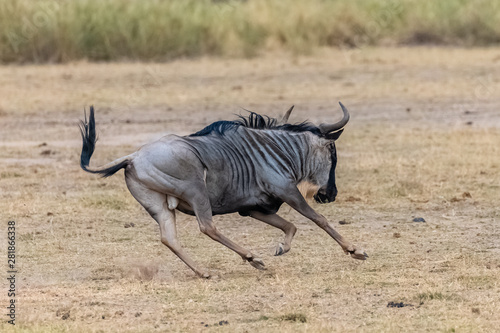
(257, 263)
(280, 250)
(359, 254)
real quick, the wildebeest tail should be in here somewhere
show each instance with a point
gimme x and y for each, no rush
(87, 129)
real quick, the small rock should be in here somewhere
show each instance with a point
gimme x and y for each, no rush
(466, 195)
(223, 322)
(396, 235)
(138, 314)
(344, 222)
(418, 219)
(397, 305)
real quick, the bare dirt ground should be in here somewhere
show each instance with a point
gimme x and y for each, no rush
(423, 141)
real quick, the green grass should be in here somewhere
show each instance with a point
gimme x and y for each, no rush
(428, 296)
(297, 317)
(60, 31)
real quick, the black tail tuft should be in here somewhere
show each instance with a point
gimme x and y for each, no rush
(89, 138)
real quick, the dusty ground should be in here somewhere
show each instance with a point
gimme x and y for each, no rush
(423, 141)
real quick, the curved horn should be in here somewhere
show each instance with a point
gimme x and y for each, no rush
(285, 117)
(327, 128)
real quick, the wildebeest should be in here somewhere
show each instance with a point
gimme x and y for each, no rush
(251, 166)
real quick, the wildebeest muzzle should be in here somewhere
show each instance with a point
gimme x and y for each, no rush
(323, 197)
(328, 194)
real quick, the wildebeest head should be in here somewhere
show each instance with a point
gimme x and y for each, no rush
(325, 175)
(320, 182)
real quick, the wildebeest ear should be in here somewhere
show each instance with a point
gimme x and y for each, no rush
(334, 136)
(285, 117)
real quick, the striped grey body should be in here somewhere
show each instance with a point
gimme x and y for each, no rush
(246, 167)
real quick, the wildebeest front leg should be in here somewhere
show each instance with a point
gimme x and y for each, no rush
(297, 202)
(203, 212)
(277, 221)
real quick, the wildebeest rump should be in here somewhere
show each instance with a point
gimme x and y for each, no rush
(251, 166)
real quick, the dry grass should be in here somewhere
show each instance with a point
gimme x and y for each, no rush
(85, 268)
(61, 31)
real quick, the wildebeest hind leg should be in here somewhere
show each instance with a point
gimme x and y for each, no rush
(157, 206)
(277, 221)
(203, 212)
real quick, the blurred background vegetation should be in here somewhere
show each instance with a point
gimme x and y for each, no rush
(65, 30)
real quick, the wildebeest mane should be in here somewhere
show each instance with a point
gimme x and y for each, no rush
(300, 127)
(219, 128)
(256, 121)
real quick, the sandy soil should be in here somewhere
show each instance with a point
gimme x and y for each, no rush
(423, 141)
